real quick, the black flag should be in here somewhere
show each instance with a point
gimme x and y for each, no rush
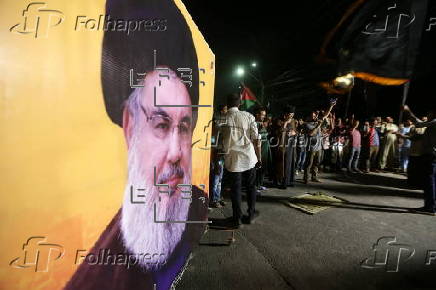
(382, 42)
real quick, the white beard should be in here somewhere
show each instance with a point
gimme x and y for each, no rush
(140, 234)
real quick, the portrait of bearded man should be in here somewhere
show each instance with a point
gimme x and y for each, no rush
(148, 242)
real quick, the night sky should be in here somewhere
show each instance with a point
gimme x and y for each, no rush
(284, 38)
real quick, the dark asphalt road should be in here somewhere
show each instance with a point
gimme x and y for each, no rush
(289, 249)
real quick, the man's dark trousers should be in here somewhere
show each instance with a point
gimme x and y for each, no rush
(430, 184)
(249, 179)
(290, 163)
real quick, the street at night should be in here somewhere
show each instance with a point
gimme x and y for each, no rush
(289, 249)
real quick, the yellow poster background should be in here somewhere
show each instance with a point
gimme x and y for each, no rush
(63, 162)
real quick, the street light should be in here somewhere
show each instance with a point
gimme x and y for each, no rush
(255, 74)
(240, 71)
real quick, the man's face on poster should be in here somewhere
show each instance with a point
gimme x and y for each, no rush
(159, 143)
(165, 143)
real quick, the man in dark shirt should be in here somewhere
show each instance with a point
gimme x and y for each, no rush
(429, 160)
(314, 144)
(314, 138)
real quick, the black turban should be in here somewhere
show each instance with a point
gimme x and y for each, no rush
(163, 28)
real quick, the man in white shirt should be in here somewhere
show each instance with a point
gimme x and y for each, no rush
(241, 144)
(387, 154)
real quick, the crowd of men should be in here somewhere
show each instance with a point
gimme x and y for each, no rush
(259, 148)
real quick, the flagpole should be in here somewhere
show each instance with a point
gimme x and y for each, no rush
(403, 102)
(348, 100)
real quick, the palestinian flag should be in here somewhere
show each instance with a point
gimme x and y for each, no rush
(248, 99)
